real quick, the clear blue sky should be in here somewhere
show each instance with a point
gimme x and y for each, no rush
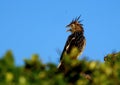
(38, 26)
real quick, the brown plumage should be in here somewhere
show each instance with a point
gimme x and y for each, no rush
(75, 42)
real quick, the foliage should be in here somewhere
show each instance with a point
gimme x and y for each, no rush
(79, 72)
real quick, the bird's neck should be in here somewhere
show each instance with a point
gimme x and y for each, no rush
(78, 31)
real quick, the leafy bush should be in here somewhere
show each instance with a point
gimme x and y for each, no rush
(78, 72)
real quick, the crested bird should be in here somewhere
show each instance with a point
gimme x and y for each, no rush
(75, 43)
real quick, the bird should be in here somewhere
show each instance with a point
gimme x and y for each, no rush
(75, 43)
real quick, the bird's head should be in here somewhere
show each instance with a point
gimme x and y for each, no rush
(75, 25)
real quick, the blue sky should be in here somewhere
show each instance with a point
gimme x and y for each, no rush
(38, 26)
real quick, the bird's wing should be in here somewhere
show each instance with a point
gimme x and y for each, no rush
(69, 44)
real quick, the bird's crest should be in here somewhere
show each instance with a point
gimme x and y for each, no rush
(76, 20)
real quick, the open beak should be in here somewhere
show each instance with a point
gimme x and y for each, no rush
(68, 26)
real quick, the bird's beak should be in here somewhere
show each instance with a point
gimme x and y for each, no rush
(68, 26)
(69, 30)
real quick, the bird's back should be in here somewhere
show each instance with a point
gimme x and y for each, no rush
(76, 41)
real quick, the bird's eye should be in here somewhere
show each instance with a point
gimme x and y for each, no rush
(72, 25)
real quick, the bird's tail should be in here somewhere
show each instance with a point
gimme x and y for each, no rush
(61, 67)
